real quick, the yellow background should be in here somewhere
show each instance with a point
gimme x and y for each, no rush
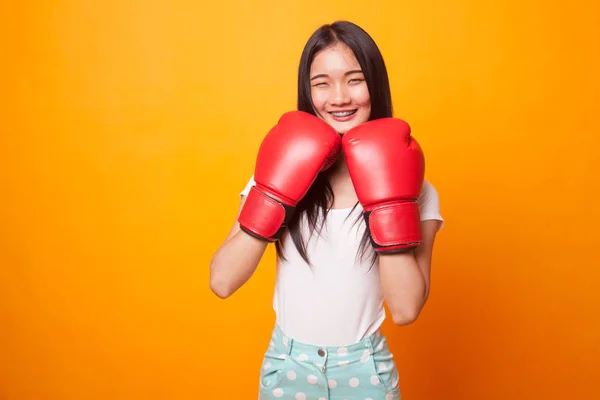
(129, 128)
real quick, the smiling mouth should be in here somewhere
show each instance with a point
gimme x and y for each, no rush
(343, 113)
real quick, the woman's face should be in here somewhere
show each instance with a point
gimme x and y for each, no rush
(338, 88)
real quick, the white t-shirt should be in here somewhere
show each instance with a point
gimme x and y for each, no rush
(338, 300)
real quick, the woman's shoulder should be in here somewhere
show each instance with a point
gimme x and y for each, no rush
(429, 202)
(428, 190)
(249, 184)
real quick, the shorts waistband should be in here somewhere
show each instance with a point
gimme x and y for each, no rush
(284, 344)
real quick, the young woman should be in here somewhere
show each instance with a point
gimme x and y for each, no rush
(339, 188)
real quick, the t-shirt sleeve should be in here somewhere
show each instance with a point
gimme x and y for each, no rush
(429, 203)
(249, 185)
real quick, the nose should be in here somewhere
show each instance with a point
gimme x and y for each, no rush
(339, 95)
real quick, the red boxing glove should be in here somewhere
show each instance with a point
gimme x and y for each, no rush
(290, 157)
(387, 168)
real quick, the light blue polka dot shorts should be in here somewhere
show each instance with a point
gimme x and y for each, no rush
(296, 371)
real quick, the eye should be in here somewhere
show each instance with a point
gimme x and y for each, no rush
(356, 80)
(320, 84)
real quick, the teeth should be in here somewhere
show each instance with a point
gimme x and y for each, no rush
(343, 114)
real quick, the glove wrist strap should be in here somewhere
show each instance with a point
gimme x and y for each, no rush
(264, 217)
(394, 227)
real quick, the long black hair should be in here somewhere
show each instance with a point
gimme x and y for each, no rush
(319, 198)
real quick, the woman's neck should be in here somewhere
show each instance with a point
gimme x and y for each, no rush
(341, 184)
(339, 170)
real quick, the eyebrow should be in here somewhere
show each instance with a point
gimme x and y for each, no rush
(354, 71)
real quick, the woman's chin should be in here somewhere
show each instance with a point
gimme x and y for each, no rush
(344, 127)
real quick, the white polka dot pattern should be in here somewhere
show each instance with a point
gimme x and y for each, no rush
(296, 371)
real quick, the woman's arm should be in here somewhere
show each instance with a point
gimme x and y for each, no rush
(235, 260)
(405, 277)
